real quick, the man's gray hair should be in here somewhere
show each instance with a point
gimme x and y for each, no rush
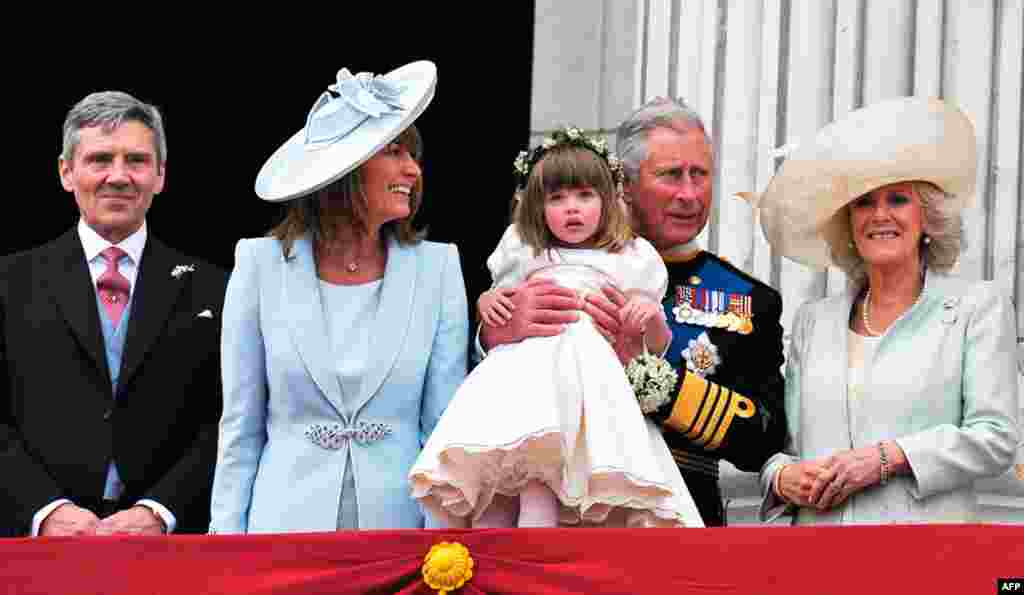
(661, 112)
(110, 109)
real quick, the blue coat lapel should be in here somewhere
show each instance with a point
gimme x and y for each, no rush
(391, 324)
(308, 325)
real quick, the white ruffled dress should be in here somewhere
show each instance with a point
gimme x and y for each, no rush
(558, 409)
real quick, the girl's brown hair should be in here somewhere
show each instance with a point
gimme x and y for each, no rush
(569, 166)
(343, 203)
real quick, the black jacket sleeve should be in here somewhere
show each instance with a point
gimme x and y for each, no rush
(737, 412)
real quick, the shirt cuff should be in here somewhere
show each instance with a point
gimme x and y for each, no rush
(39, 517)
(479, 352)
(772, 506)
(161, 511)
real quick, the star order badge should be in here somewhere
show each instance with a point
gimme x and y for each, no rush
(701, 356)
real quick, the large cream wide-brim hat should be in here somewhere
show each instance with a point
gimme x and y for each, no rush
(891, 141)
(343, 130)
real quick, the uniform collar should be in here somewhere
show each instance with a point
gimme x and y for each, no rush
(681, 253)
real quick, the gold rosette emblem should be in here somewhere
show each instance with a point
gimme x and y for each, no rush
(447, 566)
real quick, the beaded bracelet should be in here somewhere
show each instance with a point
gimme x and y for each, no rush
(883, 458)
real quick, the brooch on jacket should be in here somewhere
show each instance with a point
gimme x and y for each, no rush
(333, 436)
(181, 269)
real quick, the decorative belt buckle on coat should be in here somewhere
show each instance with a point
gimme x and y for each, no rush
(333, 436)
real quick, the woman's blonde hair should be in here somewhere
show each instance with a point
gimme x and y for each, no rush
(343, 203)
(943, 226)
(569, 166)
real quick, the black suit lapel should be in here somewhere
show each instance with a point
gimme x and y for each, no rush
(68, 276)
(153, 297)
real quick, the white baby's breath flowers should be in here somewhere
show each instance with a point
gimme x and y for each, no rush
(570, 135)
(653, 379)
(181, 269)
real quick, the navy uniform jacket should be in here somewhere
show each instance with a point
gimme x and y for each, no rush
(729, 397)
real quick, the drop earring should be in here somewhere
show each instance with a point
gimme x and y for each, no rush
(927, 240)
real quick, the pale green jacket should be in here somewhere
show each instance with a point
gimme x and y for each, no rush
(942, 384)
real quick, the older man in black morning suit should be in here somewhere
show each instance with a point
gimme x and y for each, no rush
(109, 349)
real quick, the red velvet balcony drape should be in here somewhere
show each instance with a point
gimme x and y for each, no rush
(962, 559)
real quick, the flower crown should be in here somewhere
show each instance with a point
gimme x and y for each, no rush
(570, 135)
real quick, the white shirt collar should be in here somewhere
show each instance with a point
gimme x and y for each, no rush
(93, 243)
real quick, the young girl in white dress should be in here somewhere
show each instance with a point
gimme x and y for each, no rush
(548, 430)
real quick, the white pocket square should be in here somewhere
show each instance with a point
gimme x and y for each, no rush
(205, 314)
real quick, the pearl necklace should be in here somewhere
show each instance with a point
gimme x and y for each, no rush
(865, 310)
(865, 315)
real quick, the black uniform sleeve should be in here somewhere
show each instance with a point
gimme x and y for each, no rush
(737, 413)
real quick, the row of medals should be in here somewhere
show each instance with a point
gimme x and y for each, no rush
(730, 321)
(727, 320)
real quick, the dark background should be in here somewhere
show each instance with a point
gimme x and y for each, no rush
(232, 92)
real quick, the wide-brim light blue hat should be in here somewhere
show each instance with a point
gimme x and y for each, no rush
(347, 125)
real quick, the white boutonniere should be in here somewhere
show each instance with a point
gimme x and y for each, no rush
(181, 269)
(652, 379)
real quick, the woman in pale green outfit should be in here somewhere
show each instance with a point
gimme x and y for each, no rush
(902, 391)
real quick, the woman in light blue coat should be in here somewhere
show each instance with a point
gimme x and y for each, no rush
(902, 390)
(345, 335)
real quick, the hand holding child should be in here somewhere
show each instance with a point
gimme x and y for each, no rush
(636, 312)
(643, 317)
(495, 306)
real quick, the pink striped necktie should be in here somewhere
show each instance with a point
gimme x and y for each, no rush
(113, 286)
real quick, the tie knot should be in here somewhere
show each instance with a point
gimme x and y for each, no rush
(114, 288)
(113, 254)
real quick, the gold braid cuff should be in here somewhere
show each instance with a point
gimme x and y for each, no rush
(704, 411)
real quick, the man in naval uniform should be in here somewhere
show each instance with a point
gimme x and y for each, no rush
(727, 338)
